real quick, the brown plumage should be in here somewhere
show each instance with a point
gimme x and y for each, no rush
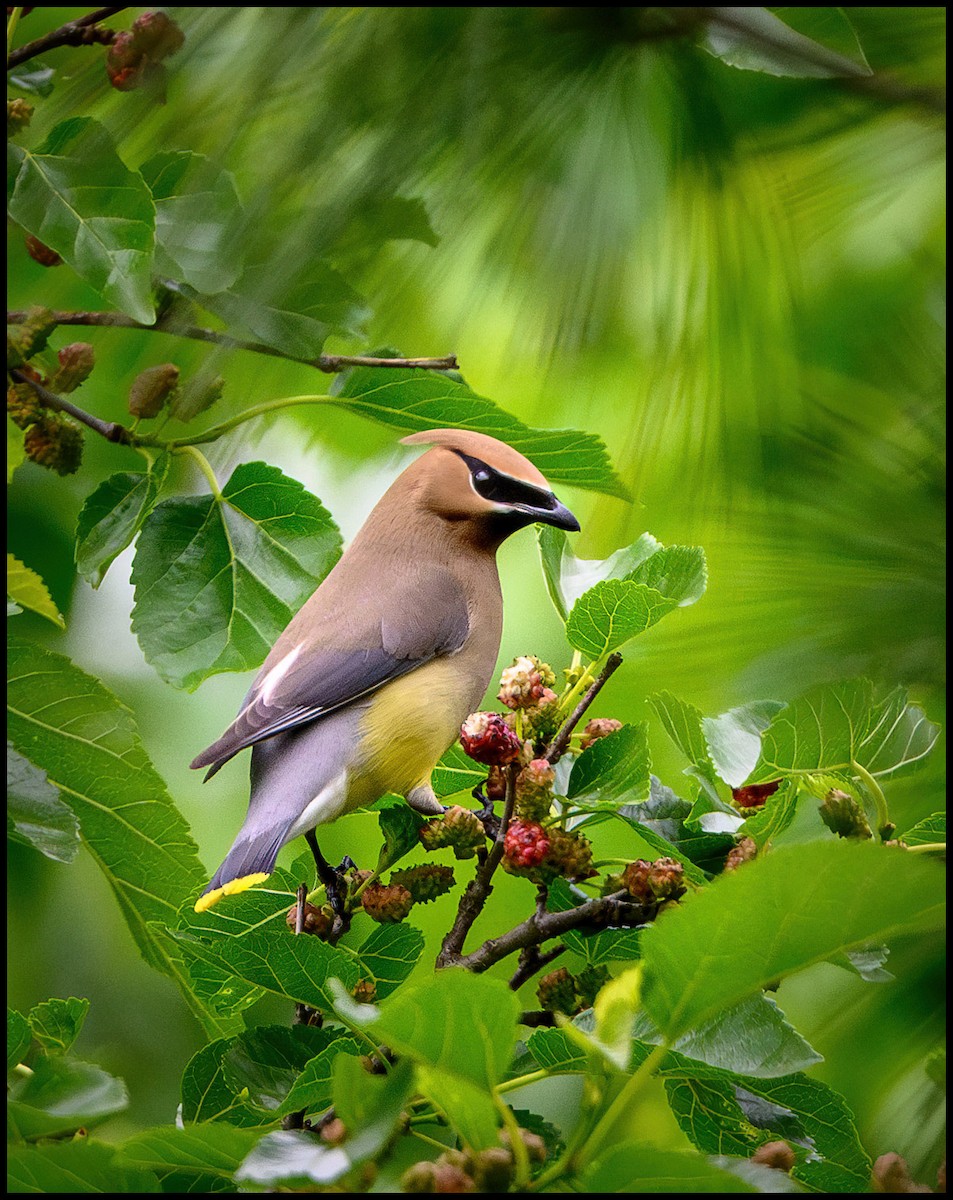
(370, 681)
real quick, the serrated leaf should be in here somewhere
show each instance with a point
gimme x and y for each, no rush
(296, 322)
(798, 905)
(74, 729)
(218, 579)
(868, 962)
(27, 589)
(207, 1096)
(15, 452)
(556, 1052)
(414, 401)
(679, 573)
(388, 954)
(774, 816)
(734, 738)
(568, 577)
(295, 1160)
(611, 945)
(56, 1023)
(112, 516)
(613, 768)
(60, 1096)
(469, 1108)
(298, 968)
(311, 1091)
(612, 613)
(750, 1038)
(36, 816)
(76, 195)
(59, 1168)
(615, 1009)
(658, 846)
(635, 1167)
(727, 1113)
(683, 724)
(832, 726)
(19, 1037)
(670, 817)
(928, 831)
(265, 1061)
(197, 1159)
(198, 220)
(399, 825)
(754, 39)
(364, 1101)
(456, 772)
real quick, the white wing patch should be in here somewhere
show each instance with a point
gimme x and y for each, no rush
(275, 676)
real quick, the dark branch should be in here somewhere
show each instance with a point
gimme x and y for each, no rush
(329, 363)
(80, 32)
(110, 430)
(557, 746)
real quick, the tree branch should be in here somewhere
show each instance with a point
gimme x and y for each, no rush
(557, 747)
(110, 430)
(329, 363)
(80, 32)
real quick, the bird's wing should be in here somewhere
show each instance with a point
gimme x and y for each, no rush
(305, 679)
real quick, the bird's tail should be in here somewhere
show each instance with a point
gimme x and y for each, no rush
(250, 860)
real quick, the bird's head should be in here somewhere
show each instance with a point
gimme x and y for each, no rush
(471, 477)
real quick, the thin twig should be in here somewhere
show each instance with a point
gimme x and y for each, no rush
(73, 33)
(329, 363)
(557, 746)
(531, 961)
(110, 430)
(480, 886)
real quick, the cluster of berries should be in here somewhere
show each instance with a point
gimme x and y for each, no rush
(386, 903)
(562, 992)
(489, 1170)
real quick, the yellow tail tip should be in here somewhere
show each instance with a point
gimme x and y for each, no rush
(242, 884)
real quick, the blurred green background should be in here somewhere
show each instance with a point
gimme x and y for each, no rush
(735, 278)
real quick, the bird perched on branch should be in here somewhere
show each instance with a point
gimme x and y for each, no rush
(371, 680)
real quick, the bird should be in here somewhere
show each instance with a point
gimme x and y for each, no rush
(370, 681)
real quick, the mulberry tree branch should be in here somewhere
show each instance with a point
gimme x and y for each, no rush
(80, 32)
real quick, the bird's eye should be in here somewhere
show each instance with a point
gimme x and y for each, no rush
(481, 476)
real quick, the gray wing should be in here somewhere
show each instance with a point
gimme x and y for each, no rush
(304, 678)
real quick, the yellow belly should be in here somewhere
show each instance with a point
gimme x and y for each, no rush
(407, 727)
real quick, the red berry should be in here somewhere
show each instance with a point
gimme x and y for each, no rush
(755, 794)
(526, 844)
(487, 738)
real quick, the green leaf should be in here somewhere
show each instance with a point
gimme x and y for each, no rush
(734, 738)
(798, 905)
(56, 1023)
(568, 577)
(680, 573)
(657, 846)
(15, 452)
(469, 1108)
(296, 322)
(59, 1168)
(931, 829)
(670, 817)
(612, 613)
(389, 954)
(218, 578)
(76, 195)
(311, 1091)
(27, 589)
(36, 816)
(683, 724)
(614, 768)
(556, 1052)
(112, 516)
(298, 968)
(461, 1023)
(727, 1113)
(19, 1037)
(295, 1160)
(60, 1096)
(832, 726)
(754, 39)
(208, 1096)
(264, 1062)
(364, 1101)
(611, 945)
(74, 729)
(774, 816)
(633, 1167)
(456, 772)
(399, 826)
(414, 401)
(198, 220)
(197, 1159)
(750, 1038)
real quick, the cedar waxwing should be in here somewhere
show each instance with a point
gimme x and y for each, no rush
(371, 680)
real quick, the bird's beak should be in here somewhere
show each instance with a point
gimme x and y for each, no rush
(555, 514)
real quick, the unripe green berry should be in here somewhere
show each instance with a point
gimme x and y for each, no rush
(152, 389)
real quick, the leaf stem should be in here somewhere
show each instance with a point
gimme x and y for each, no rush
(558, 745)
(258, 410)
(623, 1101)
(927, 848)
(876, 794)
(206, 468)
